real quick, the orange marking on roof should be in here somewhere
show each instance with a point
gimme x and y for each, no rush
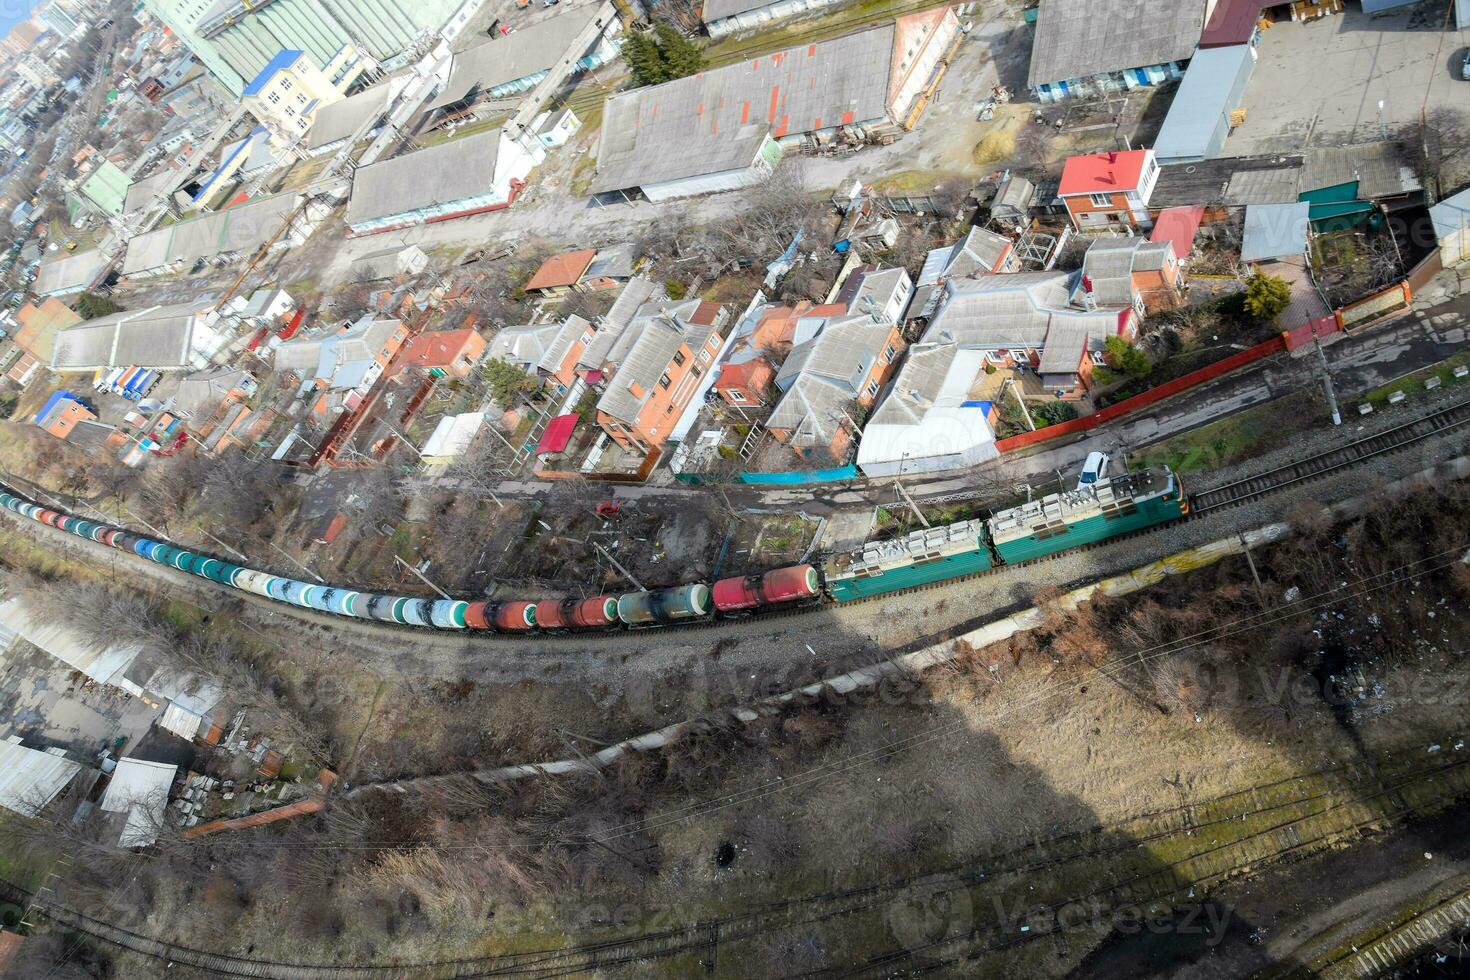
(781, 129)
(811, 51)
(817, 123)
(847, 118)
(775, 101)
(745, 112)
(699, 110)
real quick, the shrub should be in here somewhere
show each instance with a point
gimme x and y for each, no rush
(1266, 296)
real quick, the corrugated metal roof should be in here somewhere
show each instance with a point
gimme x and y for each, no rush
(339, 120)
(441, 174)
(30, 778)
(236, 229)
(1203, 99)
(526, 52)
(715, 121)
(1077, 38)
(643, 353)
(831, 370)
(139, 789)
(1273, 231)
(453, 435)
(1382, 169)
(69, 273)
(156, 337)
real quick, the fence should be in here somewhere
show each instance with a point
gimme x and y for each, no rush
(1167, 389)
(1376, 308)
(835, 474)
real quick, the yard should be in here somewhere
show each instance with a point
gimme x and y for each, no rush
(1241, 436)
(1321, 83)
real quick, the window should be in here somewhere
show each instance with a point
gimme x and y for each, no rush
(1018, 356)
(300, 99)
(669, 410)
(1102, 200)
(275, 97)
(1133, 198)
(665, 381)
(736, 395)
(286, 82)
(995, 356)
(290, 112)
(1097, 357)
(704, 357)
(678, 357)
(872, 388)
(889, 353)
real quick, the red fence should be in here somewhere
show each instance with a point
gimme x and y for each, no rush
(1153, 395)
(1303, 335)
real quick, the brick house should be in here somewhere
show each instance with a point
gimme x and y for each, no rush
(1133, 272)
(1110, 190)
(745, 382)
(657, 364)
(442, 353)
(1035, 321)
(844, 366)
(62, 413)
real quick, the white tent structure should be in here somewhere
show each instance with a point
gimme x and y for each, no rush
(929, 422)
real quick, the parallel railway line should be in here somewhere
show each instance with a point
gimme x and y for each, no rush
(1213, 840)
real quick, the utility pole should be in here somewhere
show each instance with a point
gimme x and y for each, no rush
(298, 564)
(422, 576)
(903, 495)
(1025, 412)
(626, 574)
(1326, 378)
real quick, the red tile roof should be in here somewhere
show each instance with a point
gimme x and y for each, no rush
(1179, 226)
(735, 375)
(1233, 22)
(438, 348)
(1101, 173)
(562, 270)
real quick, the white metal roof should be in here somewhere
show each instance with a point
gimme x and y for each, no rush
(453, 435)
(139, 789)
(31, 778)
(928, 412)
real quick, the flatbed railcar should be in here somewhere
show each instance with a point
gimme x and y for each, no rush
(1055, 523)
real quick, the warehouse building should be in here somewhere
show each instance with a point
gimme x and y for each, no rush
(217, 235)
(64, 275)
(721, 130)
(515, 63)
(333, 124)
(184, 336)
(723, 17)
(1100, 46)
(483, 172)
(31, 778)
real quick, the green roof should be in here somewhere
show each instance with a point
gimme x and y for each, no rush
(107, 187)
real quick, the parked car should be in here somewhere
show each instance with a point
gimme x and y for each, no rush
(1465, 67)
(1093, 470)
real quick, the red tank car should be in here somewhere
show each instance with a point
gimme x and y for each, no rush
(514, 617)
(551, 614)
(773, 588)
(477, 616)
(598, 612)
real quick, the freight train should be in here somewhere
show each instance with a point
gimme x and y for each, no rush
(1040, 527)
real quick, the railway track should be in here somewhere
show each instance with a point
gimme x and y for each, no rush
(1209, 842)
(1326, 463)
(1202, 502)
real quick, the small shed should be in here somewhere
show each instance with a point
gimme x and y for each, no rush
(1275, 231)
(1013, 200)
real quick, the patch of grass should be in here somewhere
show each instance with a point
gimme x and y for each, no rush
(479, 126)
(1413, 384)
(912, 181)
(731, 49)
(1249, 433)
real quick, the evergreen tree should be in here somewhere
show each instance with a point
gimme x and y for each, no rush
(1266, 296)
(1128, 358)
(681, 56)
(644, 58)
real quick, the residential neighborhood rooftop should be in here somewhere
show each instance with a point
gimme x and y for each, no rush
(1078, 38)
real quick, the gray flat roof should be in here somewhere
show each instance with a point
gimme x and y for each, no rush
(244, 226)
(69, 273)
(1273, 231)
(447, 172)
(720, 9)
(1202, 99)
(715, 121)
(341, 119)
(1077, 38)
(525, 52)
(141, 192)
(153, 337)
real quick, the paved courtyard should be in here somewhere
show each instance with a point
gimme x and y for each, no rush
(1319, 83)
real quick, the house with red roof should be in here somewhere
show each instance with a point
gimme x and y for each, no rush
(745, 382)
(561, 273)
(1110, 190)
(442, 353)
